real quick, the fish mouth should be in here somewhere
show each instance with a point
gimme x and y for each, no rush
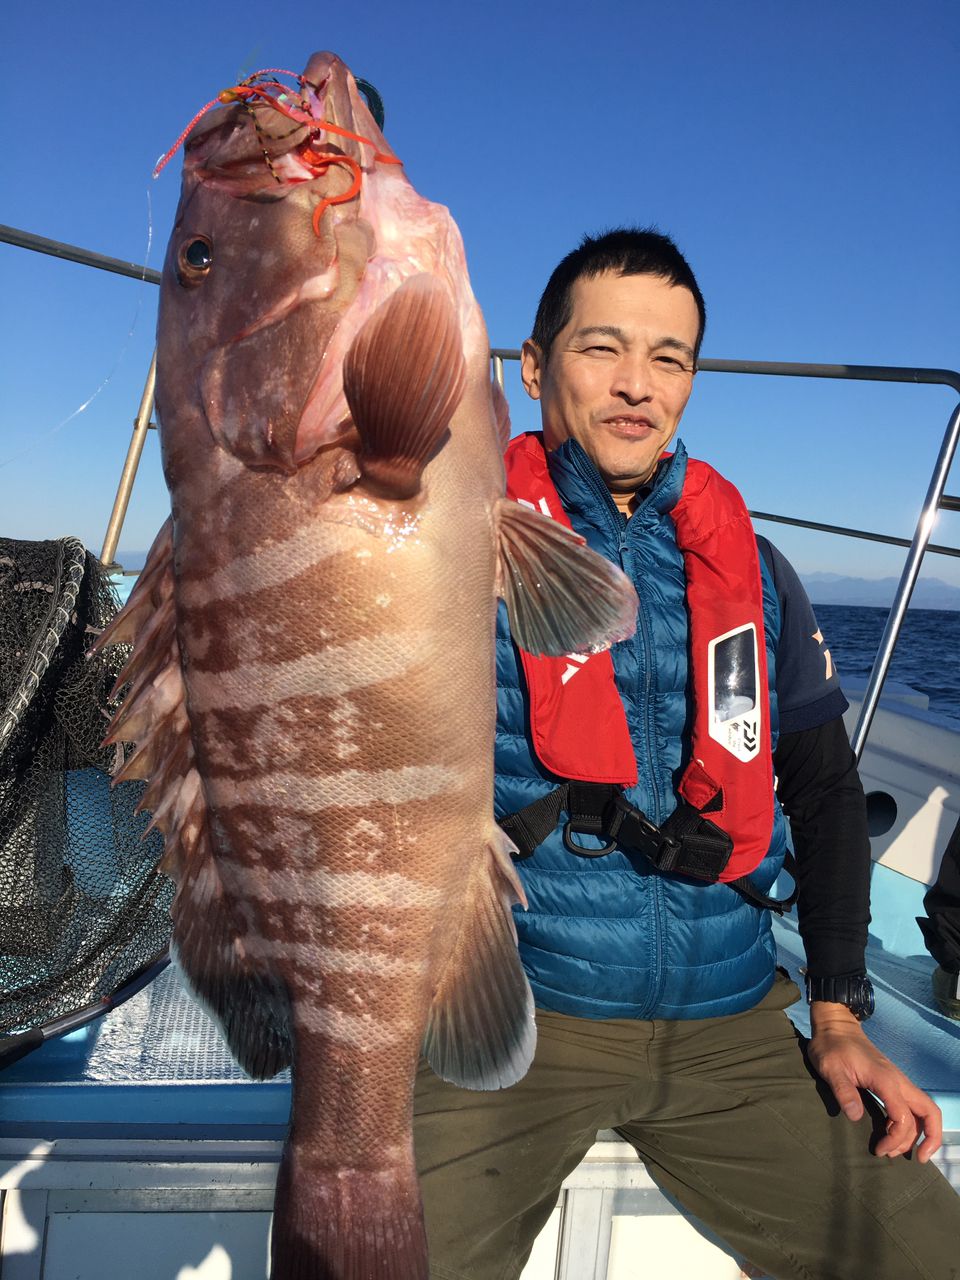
(269, 137)
(333, 96)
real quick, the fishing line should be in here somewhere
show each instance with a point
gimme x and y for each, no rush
(44, 436)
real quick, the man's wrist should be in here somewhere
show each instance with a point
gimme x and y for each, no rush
(825, 1013)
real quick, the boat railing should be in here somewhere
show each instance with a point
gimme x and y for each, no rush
(935, 501)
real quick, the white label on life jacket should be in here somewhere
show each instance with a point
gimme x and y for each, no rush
(733, 684)
(542, 506)
(571, 670)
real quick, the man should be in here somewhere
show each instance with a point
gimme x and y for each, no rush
(941, 928)
(659, 1006)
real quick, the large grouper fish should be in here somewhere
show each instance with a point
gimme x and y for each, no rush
(312, 684)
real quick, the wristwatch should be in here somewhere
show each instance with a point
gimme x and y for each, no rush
(855, 991)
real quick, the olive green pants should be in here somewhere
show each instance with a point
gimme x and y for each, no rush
(727, 1117)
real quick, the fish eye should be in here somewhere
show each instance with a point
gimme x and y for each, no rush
(194, 260)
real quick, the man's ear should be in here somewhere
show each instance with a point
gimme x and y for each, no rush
(531, 368)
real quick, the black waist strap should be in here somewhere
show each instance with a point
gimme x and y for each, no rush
(687, 843)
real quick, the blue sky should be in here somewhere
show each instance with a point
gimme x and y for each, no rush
(803, 156)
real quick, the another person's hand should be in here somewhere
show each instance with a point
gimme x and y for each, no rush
(848, 1061)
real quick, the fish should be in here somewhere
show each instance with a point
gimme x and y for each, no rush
(311, 691)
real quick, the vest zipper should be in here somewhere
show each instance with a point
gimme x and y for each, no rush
(591, 478)
(656, 885)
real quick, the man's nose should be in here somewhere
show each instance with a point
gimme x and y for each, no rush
(632, 381)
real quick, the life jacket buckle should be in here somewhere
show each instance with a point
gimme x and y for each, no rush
(630, 826)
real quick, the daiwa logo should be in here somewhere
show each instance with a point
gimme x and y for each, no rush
(542, 506)
(733, 682)
(573, 658)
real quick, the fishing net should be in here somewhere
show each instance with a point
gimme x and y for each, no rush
(82, 903)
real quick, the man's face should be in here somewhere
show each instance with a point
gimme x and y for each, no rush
(619, 374)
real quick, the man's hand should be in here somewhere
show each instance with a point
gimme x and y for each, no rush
(845, 1058)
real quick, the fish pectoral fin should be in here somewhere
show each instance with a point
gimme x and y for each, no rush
(251, 1005)
(561, 596)
(481, 1032)
(403, 378)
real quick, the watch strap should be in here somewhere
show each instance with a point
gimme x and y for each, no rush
(853, 990)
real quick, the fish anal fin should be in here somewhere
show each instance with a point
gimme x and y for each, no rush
(481, 1032)
(251, 1004)
(403, 378)
(561, 596)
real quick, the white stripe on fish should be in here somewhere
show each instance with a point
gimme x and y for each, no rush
(347, 789)
(311, 958)
(346, 1028)
(321, 888)
(270, 565)
(328, 673)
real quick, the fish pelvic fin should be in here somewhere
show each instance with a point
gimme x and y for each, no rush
(561, 596)
(347, 1224)
(403, 378)
(251, 1005)
(481, 1032)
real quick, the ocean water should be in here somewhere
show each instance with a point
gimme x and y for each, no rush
(927, 655)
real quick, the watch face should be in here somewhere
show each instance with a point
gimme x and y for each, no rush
(862, 1001)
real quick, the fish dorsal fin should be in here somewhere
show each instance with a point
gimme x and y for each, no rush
(403, 378)
(561, 596)
(250, 1004)
(481, 1032)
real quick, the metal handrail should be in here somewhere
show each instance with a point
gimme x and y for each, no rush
(73, 253)
(790, 369)
(141, 425)
(933, 548)
(934, 501)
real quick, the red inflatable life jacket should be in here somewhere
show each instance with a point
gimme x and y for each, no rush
(577, 720)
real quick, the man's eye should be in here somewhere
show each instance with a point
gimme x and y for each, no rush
(671, 360)
(602, 349)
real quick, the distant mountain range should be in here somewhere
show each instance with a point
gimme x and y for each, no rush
(835, 588)
(131, 559)
(823, 588)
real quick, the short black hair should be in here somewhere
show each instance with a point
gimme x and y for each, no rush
(628, 251)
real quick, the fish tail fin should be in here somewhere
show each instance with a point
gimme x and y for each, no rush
(347, 1224)
(403, 377)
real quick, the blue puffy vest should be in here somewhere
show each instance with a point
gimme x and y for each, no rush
(610, 937)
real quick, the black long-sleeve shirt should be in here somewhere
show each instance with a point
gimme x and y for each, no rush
(821, 794)
(819, 787)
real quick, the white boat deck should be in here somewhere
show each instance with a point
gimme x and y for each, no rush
(139, 1136)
